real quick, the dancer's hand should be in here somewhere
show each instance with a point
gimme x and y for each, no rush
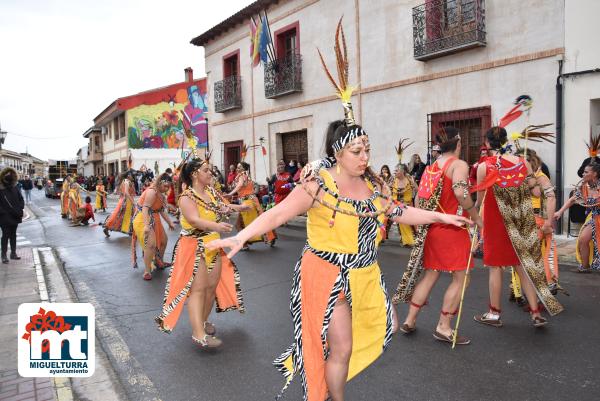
(455, 220)
(557, 215)
(223, 227)
(233, 243)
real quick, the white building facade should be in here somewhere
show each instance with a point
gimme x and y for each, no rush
(417, 67)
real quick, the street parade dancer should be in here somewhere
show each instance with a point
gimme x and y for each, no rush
(75, 203)
(440, 247)
(505, 185)
(120, 220)
(587, 194)
(147, 227)
(342, 317)
(544, 207)
(100, 197)
(243, 186)
(198, 274)
(402, 191)
(64, 197)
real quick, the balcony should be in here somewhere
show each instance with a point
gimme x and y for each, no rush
(442, 27)
(228, 94)
(283, 76)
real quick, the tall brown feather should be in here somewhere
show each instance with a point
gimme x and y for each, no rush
(335, 85)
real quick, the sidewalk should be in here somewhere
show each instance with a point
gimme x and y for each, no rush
(18, 284)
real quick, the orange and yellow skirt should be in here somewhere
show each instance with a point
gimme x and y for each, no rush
(316, 287)
(121, 218)
(248, 216)
(160, 237)
(189, 253)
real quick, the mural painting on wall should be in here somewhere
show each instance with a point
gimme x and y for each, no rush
(162, 125)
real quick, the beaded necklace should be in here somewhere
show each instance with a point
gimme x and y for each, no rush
(211, 206)
(356, 204)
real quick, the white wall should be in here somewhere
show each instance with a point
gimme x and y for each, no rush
(386, 54)
(582, 52)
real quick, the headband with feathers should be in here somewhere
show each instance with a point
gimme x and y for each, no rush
(342, 88)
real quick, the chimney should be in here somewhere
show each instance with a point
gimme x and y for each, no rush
(189, 74)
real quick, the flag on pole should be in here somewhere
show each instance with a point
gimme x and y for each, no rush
(256, 34)
(264, 40)
(254, 37)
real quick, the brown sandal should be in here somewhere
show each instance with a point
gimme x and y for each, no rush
(207, 342)
(449, 339)
(406, 329)
(538, 321)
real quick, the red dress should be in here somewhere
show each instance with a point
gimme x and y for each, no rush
(497, 246)
(282, 186)
(447, 247)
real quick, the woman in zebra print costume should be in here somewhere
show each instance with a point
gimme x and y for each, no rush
(342, 317)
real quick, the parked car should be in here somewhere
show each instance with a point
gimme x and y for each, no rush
(54, 189)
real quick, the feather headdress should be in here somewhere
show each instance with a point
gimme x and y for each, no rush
(593, 144)
(243, 152)
(522, 104)
(342, 87)
(402, 146)
(531, 133)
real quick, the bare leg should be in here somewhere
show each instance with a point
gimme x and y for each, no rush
(213, 280)
(420, 295)
(162, 249)
(495, 285)
(584, 246)
(529, 290)
(149, 251)
(196, 301)
(451, 302)
(339, 338)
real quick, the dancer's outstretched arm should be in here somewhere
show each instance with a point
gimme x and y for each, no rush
(297, 202)
(414, 216)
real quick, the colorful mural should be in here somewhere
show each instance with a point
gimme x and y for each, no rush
(159, 119)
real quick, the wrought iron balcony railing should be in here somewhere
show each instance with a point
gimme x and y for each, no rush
(228, 94)
(283, 76)
(442, 27)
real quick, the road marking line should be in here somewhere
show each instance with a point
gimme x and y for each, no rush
(21, 243)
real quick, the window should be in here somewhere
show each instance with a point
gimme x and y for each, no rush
(96, 144)
(231, 64)
(472, 124)
(121, 124)
(123, 165)
(287, 40)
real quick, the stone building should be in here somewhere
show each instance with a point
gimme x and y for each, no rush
(417, 65)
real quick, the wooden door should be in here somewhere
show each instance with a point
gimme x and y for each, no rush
(231, 154)
(295, 146)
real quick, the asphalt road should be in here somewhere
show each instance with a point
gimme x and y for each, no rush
(515, 362)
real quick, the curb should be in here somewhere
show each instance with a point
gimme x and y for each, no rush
(62, 385)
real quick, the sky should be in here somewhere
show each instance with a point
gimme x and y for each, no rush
(64, 61)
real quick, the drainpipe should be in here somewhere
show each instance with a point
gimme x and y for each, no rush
(559, 144)
(559, 135)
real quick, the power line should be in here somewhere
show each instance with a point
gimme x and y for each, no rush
(41, 138)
